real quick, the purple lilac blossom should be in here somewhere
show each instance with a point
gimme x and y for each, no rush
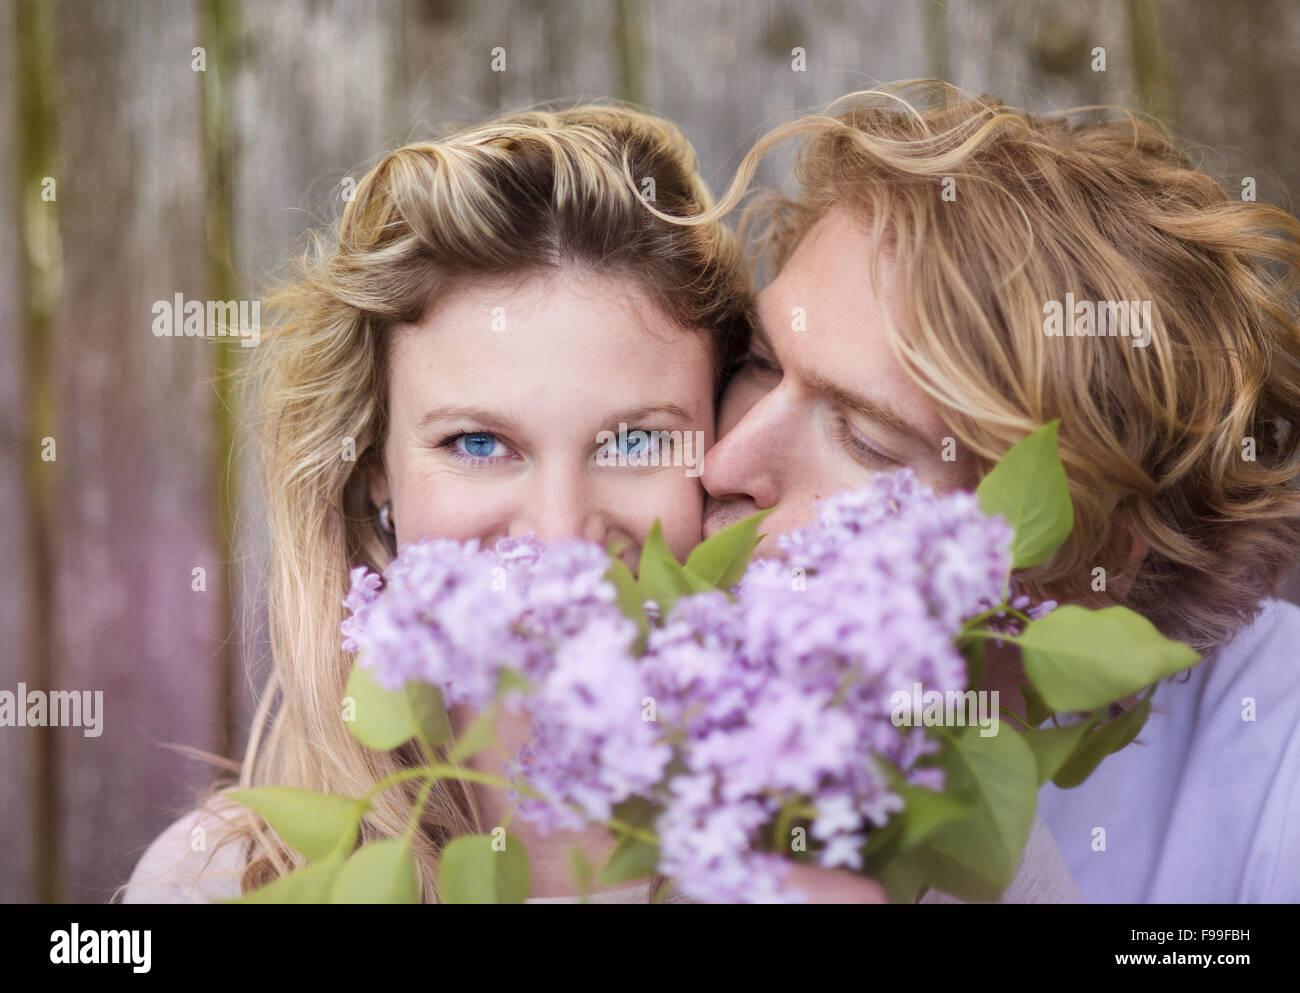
(778, 695)
(786, 692)
(591, 749)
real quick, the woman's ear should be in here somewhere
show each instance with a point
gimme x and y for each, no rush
(377, 480)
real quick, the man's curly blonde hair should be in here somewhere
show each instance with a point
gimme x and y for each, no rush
(1109, 209)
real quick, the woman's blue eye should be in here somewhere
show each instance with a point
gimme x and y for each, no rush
(637, 442)
(634, 446)
(479, 444)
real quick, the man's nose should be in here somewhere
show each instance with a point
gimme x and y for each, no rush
(749, 461)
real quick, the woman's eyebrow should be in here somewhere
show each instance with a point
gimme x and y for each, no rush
(497, 420)
(637, 413)
(480, 415)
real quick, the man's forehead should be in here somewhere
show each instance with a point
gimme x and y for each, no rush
(822, 305)
(830, 269)
(822, 320)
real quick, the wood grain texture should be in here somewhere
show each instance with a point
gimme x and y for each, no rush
(726, 73)
(134, 492)
(314, 93)
(1230, 73)
(20, 784)
(562, 51)
(1039, 54)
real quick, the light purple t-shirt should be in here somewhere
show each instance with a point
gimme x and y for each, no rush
(1205, 806)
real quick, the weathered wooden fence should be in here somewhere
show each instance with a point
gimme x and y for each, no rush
(136, 167)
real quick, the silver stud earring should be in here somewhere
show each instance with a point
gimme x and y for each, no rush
(386, 517)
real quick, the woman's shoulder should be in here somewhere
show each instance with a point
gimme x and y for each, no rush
(190, 862)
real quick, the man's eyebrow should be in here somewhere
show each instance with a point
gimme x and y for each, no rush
(867, 407)
(480, 415)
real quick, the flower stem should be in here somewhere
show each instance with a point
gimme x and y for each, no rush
(632, 831)
(418, 810)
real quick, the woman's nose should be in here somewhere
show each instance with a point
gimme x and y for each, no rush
(560, 506)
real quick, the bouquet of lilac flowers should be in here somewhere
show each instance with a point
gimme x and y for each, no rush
(726, 719)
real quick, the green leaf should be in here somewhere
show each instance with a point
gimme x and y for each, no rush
(1081, 659)
(926, 812)
(582, 871)
(976, 857)
(631, 859)
(429, 712)
(903, 875)
(480, 735)
(316, 825)
(513, 679)
(386, 719)
(666, 890)
(631, 598)
(721, 559)
(883, 842)
(1052, 746)
(1028, 488)
(1036, 711)
(696, 584)
(380, 872)
(661, 576)
(975, 653)
(1096, 745)
(306, 884)
(638, 811)
(472, 871)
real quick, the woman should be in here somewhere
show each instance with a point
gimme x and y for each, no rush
(449, 366)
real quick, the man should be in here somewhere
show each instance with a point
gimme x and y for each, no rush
(953, 276)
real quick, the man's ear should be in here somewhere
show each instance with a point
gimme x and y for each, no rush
(1138, 547)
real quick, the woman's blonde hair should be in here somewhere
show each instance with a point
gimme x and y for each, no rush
(528, 193)
(988, 213)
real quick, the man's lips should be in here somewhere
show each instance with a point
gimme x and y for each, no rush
(719, 514)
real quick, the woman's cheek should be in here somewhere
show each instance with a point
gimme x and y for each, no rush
(443, 508)
(678, 505)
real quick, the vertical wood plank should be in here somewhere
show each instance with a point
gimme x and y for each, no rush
(727, 73)
(554, 51)
(134, 488)
(1039, 54)
(20, 785)
(314, 93)
(314, 96)
(1232, 68)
